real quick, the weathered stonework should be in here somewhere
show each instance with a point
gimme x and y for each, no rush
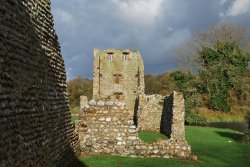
(35, 121)
(109, 123)
(164, 114)
(110, 129)
(173, 117)
(149, 114)
(118, 74)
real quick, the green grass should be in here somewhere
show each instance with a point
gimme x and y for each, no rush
(74, 110)
(214, 147)
(74, 118)
(150, 137)
(74, 114)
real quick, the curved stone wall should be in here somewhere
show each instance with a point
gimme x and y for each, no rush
(35, 121)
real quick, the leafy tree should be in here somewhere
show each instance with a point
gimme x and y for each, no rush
(220, 57)
(186, 82)
(223, 64)
(152, 84)
(167, 83)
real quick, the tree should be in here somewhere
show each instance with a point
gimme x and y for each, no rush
(220, 57)
(77, 87)
(167, 83)
(222, 70)
(161, 84)
(187, 56)
(152, 84)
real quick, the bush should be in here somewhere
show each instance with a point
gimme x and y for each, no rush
(246, 138)
(193, 118)
(77, 87)
(247, 118)
(219, 102)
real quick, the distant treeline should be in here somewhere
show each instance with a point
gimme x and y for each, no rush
(213, 73)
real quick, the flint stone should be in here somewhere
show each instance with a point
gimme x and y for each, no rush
(118, 103)
(100, 103)
(108, 119)
(92, 102)
(132, 138)
(109, 103)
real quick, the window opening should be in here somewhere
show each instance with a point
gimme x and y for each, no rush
(100, 77)
(110, 56)
(119, 96)
(125, 56)
(117, 78)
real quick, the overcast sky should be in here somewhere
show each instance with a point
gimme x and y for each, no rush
(154, 27)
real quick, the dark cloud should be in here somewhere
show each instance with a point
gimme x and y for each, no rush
(154, 27)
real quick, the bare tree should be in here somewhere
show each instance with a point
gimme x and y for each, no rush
(187, 55)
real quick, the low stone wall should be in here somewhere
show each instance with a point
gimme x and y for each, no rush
(109, 129)
(106, 130)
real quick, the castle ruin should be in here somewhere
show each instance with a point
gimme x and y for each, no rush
(109, 123)
(35, 124)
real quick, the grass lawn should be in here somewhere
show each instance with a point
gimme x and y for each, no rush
(150, 137)
(74, 118)
(214, 147)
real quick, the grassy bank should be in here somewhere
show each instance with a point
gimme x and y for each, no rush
(237, 114)
(214, 147)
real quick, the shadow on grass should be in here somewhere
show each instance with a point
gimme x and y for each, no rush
(78, 163)
(234, 136)
(74, 160)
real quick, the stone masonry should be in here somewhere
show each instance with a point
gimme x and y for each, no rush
(109, 123)
(118, 74)
(152, 107)
(108, 128)
(35, 121)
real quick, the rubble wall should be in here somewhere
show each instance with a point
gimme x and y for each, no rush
(107, 128)
(35, 121)
(164, 114)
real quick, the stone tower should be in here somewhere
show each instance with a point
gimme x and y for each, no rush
(109, 123)
(118, 74)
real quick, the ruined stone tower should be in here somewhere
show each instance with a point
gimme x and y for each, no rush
(109, 123)
(118, 75)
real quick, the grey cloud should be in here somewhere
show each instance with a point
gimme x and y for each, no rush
(83, 25)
